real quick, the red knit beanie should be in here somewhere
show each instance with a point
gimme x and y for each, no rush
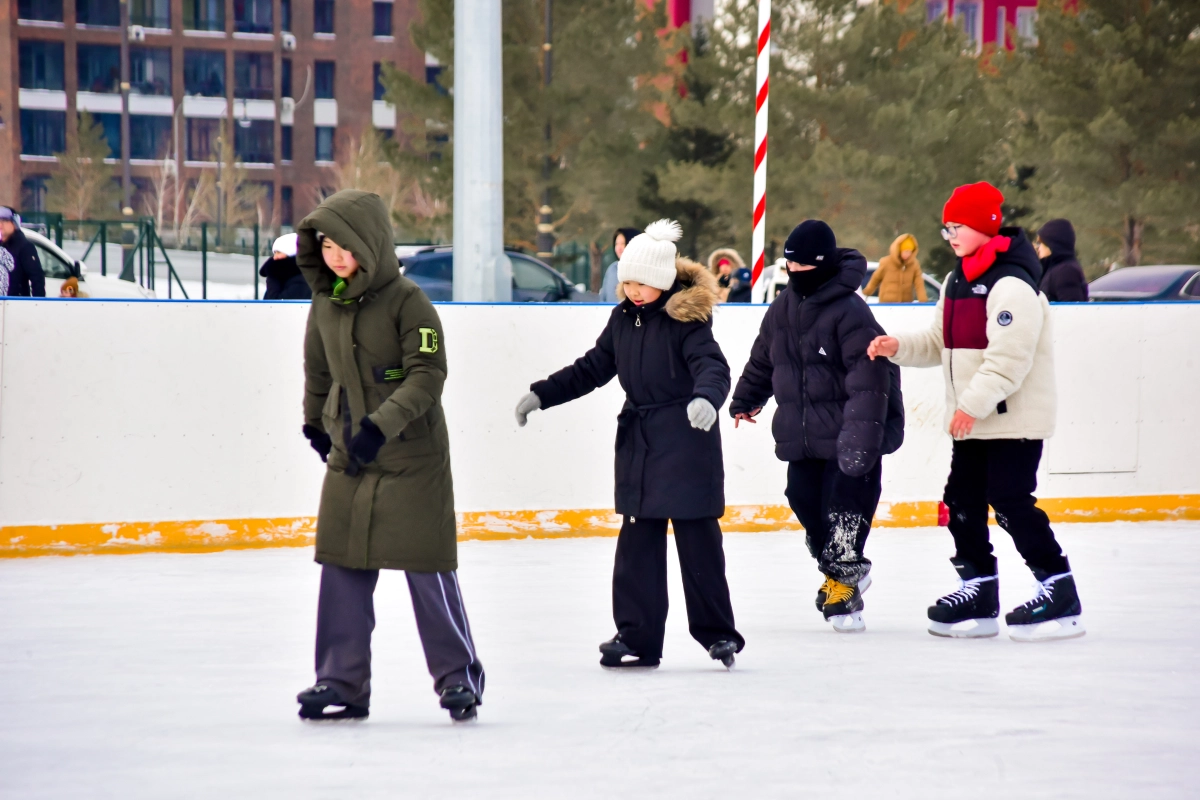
(976, 205)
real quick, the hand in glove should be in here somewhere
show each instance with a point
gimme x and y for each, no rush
(365, 444)
(528, 403)
(701, 414)
(319, 440)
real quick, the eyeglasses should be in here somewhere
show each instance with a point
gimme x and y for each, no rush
(951, 231)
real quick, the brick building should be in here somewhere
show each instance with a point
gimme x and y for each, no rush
(291, 79)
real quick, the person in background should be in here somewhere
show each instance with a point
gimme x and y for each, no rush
(70, 288)
(898, 278)
(27, 278)
(6, 268)
(723, 263)
(284, 281)
(1063, 280)
(608, 291)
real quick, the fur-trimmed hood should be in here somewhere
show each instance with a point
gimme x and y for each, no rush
(898, 245)
(694, 294)
(725, 252)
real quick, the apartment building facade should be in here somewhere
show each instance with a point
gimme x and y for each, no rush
(291, 81)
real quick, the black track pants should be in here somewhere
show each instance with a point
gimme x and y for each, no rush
(1001, 473)
(346, 618)
(640, 583)
(836, 511)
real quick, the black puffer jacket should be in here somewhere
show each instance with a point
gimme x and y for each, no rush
(664, 355)
(1063, 280)
(27, 279)
(811, 354)
(284, 281)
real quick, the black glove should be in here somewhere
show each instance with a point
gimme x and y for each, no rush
(366, 443)
(319, 440)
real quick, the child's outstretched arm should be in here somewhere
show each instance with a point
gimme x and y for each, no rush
(590, 371)
(868, 382)
(755, 386)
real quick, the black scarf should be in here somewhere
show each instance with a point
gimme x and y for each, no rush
(807, 282)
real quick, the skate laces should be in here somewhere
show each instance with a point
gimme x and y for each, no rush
(1045, 591)
(966, 591)
(837, 592)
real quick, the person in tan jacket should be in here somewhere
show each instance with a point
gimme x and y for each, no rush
(898, 277)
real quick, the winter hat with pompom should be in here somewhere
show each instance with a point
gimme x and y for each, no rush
(650, 257)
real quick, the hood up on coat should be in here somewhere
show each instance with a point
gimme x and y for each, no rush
(357, 221)
(693, 296)
(898, 245)
(728, 253)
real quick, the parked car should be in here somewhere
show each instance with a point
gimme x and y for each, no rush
(776, 280)
(59, 266)
(534, 281)
(1140, 284)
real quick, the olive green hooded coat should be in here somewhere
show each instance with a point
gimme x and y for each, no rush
(376, 350)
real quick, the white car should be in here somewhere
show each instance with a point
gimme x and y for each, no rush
(774, 280)
(59, 266)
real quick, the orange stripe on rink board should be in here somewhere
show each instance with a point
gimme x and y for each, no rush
(241, 534)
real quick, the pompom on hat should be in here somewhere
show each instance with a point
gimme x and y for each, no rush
(976, 205)
(649, 258)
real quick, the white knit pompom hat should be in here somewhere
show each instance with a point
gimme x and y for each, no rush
(650, 257)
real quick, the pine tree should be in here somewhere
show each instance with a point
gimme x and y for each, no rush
(1105, 114)
(82, 187)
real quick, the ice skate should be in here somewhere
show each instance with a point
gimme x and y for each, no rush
(323, 702)
(864, 583)
(970, 612)
(461, 702)
(724, 652)
(615, 654)
(1053, 613)
(843, 607)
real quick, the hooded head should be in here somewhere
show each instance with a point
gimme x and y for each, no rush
(725, 254)
(356, 221)
(1059, 236)
(905, 241)
(812, 244)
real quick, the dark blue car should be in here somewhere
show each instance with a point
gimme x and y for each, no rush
(533, 281)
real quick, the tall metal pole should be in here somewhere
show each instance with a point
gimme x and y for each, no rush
(762, 83)
(126, 181)
(482, 273)
(545, 228)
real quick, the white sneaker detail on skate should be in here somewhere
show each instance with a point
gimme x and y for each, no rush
(848, 623)
(982, 628)
(1048, 631)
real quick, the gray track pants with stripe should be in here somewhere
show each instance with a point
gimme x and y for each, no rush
(346, 618)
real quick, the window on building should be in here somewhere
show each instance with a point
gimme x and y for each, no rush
(204, 73)
(935, 9)
(254, 76)
(968, 15)
(1001, 25)
(324, 150)
(287, 211)
(98, 12)
(285, 15)
(432, 70)
(150, 70)
(40, 10)
(149, 137)
(254, 143)
(33, 192)
(41, 65)
(43, 133)
(382, 18)
(252, 16)
(150, 13)
(202, 136)
(204, 15)
(1027, 27)
(322, 16)
(380, 89)
(285, 143)
(98, 68)
(111, 124)
(285, 78)
(323, 75)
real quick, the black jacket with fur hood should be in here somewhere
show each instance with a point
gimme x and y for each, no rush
(664, 355)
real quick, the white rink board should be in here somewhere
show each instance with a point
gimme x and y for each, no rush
(127, 411)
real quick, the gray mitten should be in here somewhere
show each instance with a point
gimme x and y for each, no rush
(530, 402)
(701, 414)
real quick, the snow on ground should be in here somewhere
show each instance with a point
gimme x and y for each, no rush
(173, 676)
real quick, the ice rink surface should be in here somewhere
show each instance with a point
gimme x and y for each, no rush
(173, 676)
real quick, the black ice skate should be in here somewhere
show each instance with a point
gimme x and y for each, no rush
(323, 702)
(971, 611)
(724, 652)
(461, 702)
(864, 583)
(843, 607)
(1053, 613)
(615, 654)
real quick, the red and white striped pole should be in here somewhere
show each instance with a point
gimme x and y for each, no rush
(762, 84)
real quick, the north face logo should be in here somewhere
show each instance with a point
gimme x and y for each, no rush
(979, 289)
(822, 351)
(820, 258)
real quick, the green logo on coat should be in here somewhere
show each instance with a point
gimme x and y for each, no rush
(429, 340)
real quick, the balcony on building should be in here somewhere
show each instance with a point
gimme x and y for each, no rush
(41, 65)
(98, 13)
(254, 141)
(43, 11)
(204, 16)
(150, 13)
(252, 16)
(150, 71)
(43, 132)
(204, 73)
(381, 22)
(203, 140)
(254, 76)
(98, 68)
(323, 17)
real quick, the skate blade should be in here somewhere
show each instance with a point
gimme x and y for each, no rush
(344, 715)
(984, 628)
(1051, 630)
(848, 623)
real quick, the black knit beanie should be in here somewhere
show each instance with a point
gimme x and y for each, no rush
(811, 243)
(1059, 236)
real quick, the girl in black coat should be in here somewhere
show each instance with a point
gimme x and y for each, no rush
(659, 344)
(839, 411)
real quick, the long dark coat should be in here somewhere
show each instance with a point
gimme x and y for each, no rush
(284, 281)
(664, 355)
(27, 278)
(378, 350)
(811, 354)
